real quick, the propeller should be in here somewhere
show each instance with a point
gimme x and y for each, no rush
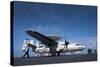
(33, 47)
(66, 43)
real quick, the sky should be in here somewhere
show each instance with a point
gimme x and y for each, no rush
(72, 22)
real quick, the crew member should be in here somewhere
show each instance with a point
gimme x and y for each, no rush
(25, 48)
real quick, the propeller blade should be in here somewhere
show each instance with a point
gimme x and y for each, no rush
(66, 42)
(33, 47)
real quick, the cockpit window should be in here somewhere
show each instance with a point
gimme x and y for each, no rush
(40, 45)
(77, 44)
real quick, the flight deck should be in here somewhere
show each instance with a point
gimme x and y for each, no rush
(18, 61)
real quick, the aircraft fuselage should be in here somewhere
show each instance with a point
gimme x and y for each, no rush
(61, 47)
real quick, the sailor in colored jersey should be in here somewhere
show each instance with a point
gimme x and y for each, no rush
(25, 48)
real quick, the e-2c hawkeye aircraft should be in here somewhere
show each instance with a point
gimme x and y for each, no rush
(50, 45)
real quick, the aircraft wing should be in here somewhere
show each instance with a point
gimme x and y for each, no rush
(44, 39)
(56, 38)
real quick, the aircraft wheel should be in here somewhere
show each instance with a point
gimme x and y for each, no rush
(58, 53)
(53, 54)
